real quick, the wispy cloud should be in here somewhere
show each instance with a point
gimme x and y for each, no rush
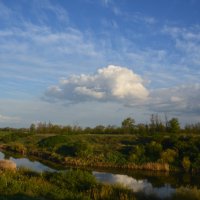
(5, 12)
(183, 99)
(106, 2)
(9, 119)
(141, 18)
(187, 41)
(38, 53)
(136, 17)
(40, 11)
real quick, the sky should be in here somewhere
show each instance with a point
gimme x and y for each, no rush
(91, 62)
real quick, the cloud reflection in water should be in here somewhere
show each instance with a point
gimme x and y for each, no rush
(135, 185)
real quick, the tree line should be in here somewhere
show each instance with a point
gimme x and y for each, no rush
(128, 126)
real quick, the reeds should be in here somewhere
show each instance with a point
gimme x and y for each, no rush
(7, 165)
(153, 166)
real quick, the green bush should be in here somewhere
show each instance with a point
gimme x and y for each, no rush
(51, 142)
(168, 156)
(115, 157)
(17, 147)
(13, 137)
(153, 151)
(32, 185)
(137, 155)
(186, 163)
(66, 150)
(73, 180)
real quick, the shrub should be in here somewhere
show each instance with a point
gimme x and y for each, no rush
(115, 157)
(73, 180)
(17, 147)
(168, 156)
(13, 137)
(66, 150)
(153, 151)
(186, 163)
(137, 155)
(51, 142)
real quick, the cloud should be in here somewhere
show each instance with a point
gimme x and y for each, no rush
(187, 41)
(5, 12)
(183, 99)
(113, 83)
(4, 118)
(58, 11)
(122, 85)
(106, 2)
(38, 53)
(136, 17)
(141, 18)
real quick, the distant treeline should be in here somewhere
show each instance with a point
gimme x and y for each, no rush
(128, 126)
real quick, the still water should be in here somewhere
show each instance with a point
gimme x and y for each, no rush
(160, 184)
(25, 162)
(136, 185)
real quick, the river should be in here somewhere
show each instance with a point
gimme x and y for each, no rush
(158, 183)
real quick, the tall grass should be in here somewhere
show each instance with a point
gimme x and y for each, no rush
(70, 185)
(108, 192)
(187, 193)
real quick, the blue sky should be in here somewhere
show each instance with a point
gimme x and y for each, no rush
(86, 62)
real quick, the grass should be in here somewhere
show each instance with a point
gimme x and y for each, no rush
(111, 150)
(187, 193)
(72, 184)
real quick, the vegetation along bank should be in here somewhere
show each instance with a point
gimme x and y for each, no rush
(155, 146)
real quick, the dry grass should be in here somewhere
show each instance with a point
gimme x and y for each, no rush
(7, 165)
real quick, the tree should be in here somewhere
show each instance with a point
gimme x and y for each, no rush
(99, 129)
(32, 128)
(128, 125)
(174, 125)
(156, 124)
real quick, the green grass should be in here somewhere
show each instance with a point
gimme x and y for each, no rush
(72, 184)
(111, 149)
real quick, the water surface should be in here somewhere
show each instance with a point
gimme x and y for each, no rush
(158, 183)
(25, 162)
(142, 185)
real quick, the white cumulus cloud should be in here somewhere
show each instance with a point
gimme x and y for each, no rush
(112, 83)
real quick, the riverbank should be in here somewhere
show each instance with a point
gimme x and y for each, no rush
(131, 152)
(78, 162)
(72, 185)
